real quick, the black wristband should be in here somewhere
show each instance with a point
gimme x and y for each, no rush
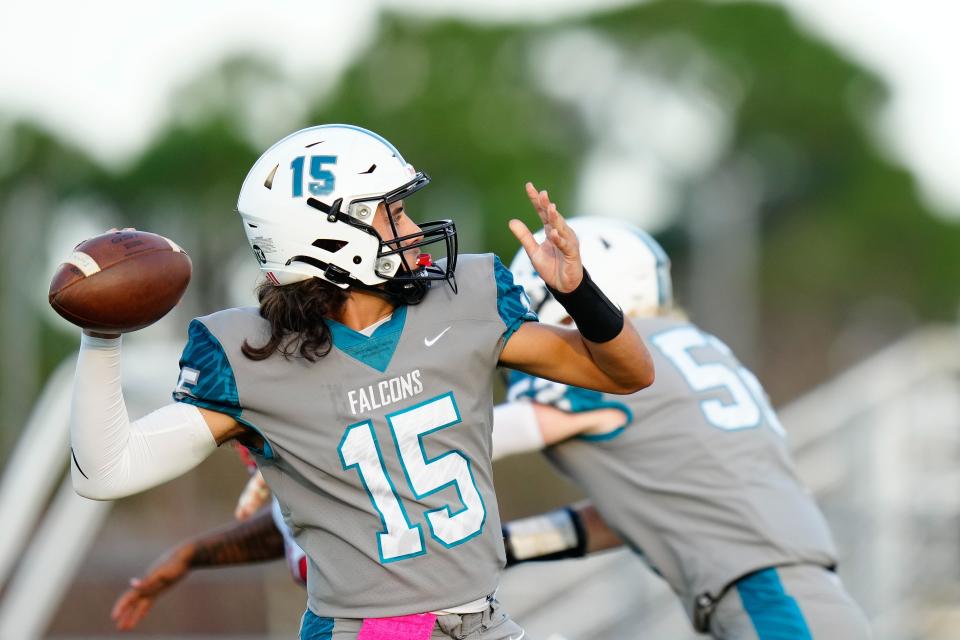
(598, 319)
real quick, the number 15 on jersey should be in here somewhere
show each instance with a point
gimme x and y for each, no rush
(400, 539)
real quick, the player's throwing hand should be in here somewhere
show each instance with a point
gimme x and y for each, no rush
(557, 258)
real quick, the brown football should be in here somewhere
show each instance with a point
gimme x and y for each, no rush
(120, 281)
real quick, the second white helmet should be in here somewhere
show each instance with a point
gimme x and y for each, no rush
(308, 206)
(628, 265)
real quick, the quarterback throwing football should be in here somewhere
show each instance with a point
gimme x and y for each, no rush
(364, 392)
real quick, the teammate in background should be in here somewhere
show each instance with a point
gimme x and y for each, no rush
(261, 534)
(257, 539)
(698, 481)
(370, 439)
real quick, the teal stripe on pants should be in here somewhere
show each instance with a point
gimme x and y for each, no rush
(313, 627)
(774, 613)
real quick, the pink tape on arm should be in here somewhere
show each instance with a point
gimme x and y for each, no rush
(418, 626)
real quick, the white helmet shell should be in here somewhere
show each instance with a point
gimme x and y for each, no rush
(628, 265)
(309, 202)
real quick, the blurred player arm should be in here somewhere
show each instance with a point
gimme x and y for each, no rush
(521, 427)
(571, 532)
(254, 540)
(112, 457)
(605, 353)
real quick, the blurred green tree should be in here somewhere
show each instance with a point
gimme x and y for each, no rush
(840, 222)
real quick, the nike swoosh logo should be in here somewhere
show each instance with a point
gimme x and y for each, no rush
(430, 343)
(74, 455)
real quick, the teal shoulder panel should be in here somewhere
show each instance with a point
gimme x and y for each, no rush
(206, 377)
(512, 303)
(375, 351)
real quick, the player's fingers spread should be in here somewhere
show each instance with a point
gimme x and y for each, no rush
(534, 196)
(538, 204)
(523, 235)
(547, 233)
(545, 201)
(532, 192)
(557, 221)
(558, 240)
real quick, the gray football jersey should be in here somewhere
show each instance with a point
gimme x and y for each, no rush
(379, 453)
(699, 481)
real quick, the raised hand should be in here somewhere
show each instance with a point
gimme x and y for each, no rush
(557, 258)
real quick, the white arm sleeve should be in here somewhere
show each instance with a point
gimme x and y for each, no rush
(515, 429)
(112, 457)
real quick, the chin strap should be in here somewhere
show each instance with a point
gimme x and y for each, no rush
(396, 292)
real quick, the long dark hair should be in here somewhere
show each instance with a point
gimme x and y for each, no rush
(295, 313)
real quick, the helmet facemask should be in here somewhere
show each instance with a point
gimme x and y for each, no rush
(406, 283)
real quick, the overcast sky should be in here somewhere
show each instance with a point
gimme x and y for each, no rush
(101, 72)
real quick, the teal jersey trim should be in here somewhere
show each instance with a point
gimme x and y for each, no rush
(375, 351)
(512, 303)
(566, 398)
(774, 613)
(368, 425)
(214, 385)
(207, 380)
(429, 461)
(314, 627)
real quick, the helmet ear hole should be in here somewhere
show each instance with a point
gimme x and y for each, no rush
(328, 245)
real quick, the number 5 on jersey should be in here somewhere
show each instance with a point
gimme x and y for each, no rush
(400, 538)
(748, 402)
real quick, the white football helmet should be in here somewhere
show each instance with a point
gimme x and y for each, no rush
(308, 206)
(628, 265)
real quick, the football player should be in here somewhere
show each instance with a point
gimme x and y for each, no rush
(697, 479)
(364, 392)
(260, 533)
